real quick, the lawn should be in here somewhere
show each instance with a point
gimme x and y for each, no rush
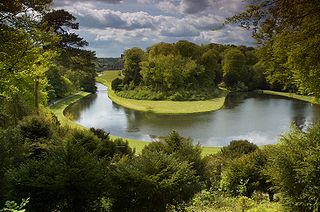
(310, 99)
(59, 107)
(163, 107)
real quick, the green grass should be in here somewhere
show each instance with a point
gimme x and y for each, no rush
(161, 107)
(62, 104)
(310, 99)
(209, 150)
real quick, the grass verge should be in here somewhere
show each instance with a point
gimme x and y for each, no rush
(310, 99)
(161, 107)
(59, 107)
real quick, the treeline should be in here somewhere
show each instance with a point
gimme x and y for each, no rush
(287, 33)
(186, 71)
(40, 48)
(62, 169)
(103, 64)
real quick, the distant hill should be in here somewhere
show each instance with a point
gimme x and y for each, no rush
(109, 64)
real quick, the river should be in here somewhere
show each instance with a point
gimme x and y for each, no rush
(259, 118)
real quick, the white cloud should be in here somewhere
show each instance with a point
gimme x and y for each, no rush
(109, 31)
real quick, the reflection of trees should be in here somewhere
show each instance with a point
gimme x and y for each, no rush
(315, 113)
(75, 109)
(234, 99)
(298, 113)
(299, 121)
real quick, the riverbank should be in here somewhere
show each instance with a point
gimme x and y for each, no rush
(161, 107)
(59, 108)
(291, 95)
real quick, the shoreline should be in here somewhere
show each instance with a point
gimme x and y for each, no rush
(163, 106)
(304, 98)
(59, 108)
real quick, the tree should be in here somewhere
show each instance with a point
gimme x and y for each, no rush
(132, 60)
(180, 148)
(74, 64)
(234, 67)
(238, 148)
(210, 61)
(152, 181)
(293, 167)
(24, 57)
(244, 175)
(288, 33)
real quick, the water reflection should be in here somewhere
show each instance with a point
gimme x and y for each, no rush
(77, 108)
(258, 118)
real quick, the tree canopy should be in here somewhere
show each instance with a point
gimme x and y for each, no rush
(288, 33)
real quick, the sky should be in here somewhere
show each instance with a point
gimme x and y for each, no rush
(111, 26)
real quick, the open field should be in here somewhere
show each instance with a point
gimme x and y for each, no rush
(162, 107)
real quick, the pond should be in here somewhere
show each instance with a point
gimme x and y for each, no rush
(261, 119)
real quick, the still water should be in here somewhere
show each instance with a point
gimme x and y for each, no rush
(261, 119)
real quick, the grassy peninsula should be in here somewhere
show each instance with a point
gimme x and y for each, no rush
(165, 107)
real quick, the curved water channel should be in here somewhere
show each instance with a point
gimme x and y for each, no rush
(258, 118)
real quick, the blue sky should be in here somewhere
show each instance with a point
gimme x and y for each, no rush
(111, 26)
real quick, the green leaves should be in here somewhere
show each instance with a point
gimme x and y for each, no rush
(293, 167)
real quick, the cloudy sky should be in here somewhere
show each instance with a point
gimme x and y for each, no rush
(111, 26)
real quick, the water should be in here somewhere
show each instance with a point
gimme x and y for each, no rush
(260, 119)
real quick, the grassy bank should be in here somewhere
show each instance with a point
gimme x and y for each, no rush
(58, 110)
(162, 107)
(59, 107)
(291, 95)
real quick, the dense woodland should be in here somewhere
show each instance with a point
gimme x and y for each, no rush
(49, 167)
(187, 71)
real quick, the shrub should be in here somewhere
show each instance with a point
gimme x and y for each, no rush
(117, 84)
(293, 166)
(35, 127)
(237, 148)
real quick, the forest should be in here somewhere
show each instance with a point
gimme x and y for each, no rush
(47, 166)
(187, 71)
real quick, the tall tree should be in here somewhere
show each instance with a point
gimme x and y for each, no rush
(132, 60)
(288, 33)
(234, 67)
(23, 53)
(74, 63)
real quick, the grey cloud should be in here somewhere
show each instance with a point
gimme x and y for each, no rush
(61, 3)
(101, 19)
(194, 6)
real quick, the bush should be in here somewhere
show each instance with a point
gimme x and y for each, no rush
(293, 166)
(152, 181)
(237, 148)
(35, 127)
(244, 175)
(117, 84)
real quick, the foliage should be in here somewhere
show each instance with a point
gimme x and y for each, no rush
(35, 127)
(238, 148)
(132, 59)
(243, 176)
(293, 167)
(153, 180)
(288, 32)
(74, 68)
(186, 71)
(12, 206)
